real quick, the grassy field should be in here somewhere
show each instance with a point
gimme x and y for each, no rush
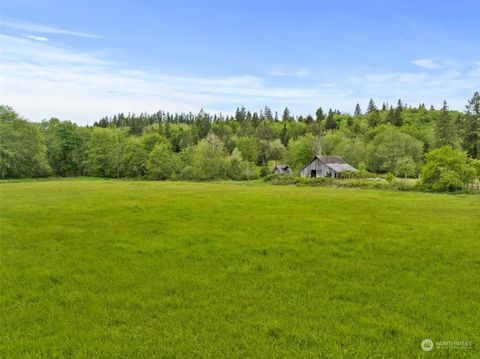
(98, 268)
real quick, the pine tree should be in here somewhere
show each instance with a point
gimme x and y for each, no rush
(331, 124)
(308, 119)
(286, 115)
(390, 119)
(284, 137)
(371, 106)
(398, 119)
(445, 132)
(358, 110)
(400, 105)
(471, 139)
(268, 114)
(320, 115)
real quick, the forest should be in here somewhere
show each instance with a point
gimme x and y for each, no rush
(397, 139)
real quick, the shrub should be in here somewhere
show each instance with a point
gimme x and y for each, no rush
(447, 169)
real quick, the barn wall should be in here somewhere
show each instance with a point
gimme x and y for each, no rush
(318, 166)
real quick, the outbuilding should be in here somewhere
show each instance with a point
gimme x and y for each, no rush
(326, 166)
(282, 170)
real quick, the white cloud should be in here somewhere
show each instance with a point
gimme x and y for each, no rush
(291, 73)
(20, 25)
(428, 64)
(38, 38)
(41, 80)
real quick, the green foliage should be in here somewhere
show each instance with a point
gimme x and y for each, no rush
(390, 139)
(302, 151)
(389, 177)
(161, 162)
(248, 147)
(105, 151)
(22, 148)
(64, 146)
(406, 167)
(445, 131)
(391, 145)
(135, 157)
(351, 150)
(240, 169)
(447, 169)
(471, 139)
(209, 161)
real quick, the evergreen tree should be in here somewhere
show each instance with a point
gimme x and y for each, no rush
(320, 116)
(309, 120)
(358, 110)
(268, 114)
(400, 105)
(330, 123)
(390, 119)
(471, 139)
(398, 118)
(371, 106)
(445, 132)
(284, 136)
(286, 115)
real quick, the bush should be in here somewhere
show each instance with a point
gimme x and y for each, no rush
(399, 185)
(314, 182)
(447, 169)
(280, 179)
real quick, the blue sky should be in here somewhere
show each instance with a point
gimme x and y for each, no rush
(82, 60)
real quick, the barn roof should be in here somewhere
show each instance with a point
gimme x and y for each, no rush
(331, 159)
(282, 168)
(341, 167)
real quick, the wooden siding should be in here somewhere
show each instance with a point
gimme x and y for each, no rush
(321, 170)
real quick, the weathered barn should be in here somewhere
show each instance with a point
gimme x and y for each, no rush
(283, 170)
(326, 166)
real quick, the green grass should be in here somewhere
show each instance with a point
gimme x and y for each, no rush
(98, 268)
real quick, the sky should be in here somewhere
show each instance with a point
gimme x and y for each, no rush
(83, 60)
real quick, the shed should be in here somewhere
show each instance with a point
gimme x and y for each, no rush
(282, 169)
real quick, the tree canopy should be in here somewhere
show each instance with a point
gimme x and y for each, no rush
(206, 146)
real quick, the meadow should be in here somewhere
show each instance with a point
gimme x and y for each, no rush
(135, 269)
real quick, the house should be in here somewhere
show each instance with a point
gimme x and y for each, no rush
(326, 166)
(282, 170)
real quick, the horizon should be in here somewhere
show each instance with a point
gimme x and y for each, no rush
(85, 61)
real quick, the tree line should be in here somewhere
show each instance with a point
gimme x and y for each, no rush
(207, 146)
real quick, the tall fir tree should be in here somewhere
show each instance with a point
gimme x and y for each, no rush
(358, 110)
(471, 139)
(320, 115)
(445, 131)
(330, 123)
(286, 115)
(371, 106)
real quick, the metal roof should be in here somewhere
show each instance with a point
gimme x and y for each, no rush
(331, 159)
(341, 167)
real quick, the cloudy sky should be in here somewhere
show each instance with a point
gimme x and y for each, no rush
(82, 60)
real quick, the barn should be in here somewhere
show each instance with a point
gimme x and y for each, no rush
(326, 166)
(282, 169)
